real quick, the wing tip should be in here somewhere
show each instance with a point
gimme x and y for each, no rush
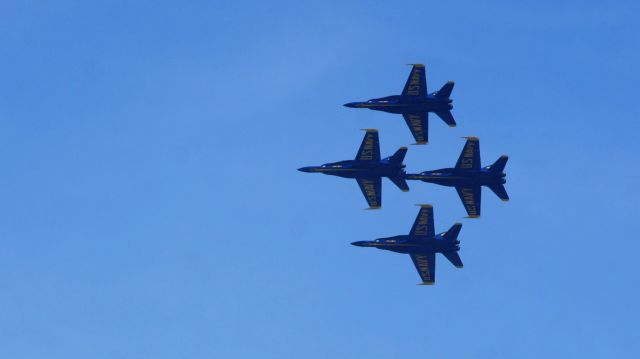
(426, 283)
(416, 65)
(504, 199)
(420, 143)
(424, 205)
(371, 208)
(460, 266)
(473, 216)
(369, 129)
(471, 138)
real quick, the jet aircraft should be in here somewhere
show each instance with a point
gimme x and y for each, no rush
(468, 177)
(368, 169)
(414, 104)
(422, 244)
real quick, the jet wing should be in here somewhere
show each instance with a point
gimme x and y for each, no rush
(470, 156)
(470, 196)
(370, 147)
(416, 85)
(423, 226)
(419, 125)
(426, 265)
(372, 190)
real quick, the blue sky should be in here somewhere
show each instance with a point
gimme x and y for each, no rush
(150, 206)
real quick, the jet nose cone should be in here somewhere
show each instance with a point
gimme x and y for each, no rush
(359, 243)
(305, 169)
(351, 104)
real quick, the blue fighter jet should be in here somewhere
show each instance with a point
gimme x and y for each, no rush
(368, 169)
(422, 244)
(468, 177)
(414, 104)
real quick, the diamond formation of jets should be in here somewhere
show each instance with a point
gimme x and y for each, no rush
(415, 103)
(468, 177)
(368, 169)
(422, 244)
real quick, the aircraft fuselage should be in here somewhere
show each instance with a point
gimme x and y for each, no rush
(403, 105)
(358, 169)
(454, 177)
(410, 244)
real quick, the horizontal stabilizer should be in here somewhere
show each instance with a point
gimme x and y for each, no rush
(498, 166)
(445, 91)
(447, 117)
(454, 258)
(401, 183)
(453, 232)
(398, 157)
(500, 192)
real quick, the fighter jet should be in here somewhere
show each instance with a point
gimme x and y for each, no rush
(468, 177)
(422, 244)
(414, 104)
(368, 169)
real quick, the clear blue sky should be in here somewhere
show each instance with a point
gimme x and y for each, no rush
(150, 205)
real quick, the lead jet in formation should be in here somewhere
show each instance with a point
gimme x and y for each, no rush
(468, 177)
(368, 169)
(414, 104)
(422, 244)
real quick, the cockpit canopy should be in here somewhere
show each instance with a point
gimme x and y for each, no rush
(383, 99)
(387, 240)
(341, 164)
(436, 173)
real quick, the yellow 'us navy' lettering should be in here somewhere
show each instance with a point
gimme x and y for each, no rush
(414, 84)
(421, 226)
(416, 125)
(367, 150)
(370, 190)
(423, 265)
(467, 195)
(467, 157)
